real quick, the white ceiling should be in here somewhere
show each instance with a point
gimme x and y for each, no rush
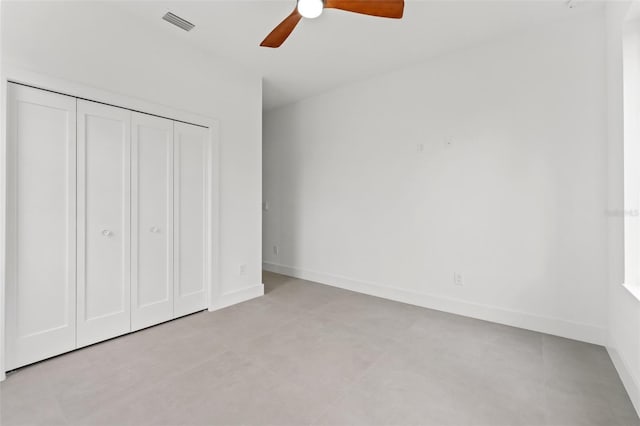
(341, 47)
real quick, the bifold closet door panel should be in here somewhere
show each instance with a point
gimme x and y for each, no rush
(41, 231)
(151, 220)
(191, 153)
(104, 168)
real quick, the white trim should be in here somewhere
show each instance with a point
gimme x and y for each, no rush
(3, 205)
(238, 296)
(627, 378)
(634, 290)
(215, 287)
(42, 81)
(38, 80)
(556, 326)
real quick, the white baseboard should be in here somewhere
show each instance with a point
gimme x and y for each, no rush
(556, 326)
(237, 296)
(627, 378)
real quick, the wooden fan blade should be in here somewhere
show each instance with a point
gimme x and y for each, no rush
(282, 31)
(382, 8)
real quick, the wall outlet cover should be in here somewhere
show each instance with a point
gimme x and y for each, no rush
(458, 279)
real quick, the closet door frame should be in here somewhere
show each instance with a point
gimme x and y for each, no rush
(14, 74)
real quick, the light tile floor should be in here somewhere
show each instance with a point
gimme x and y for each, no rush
(311, 354)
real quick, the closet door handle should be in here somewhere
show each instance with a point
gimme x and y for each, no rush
(107, 233)
(155, 229)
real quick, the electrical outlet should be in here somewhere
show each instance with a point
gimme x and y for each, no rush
(420, 147)
(243, 269)
(458, 279)
(276, 250)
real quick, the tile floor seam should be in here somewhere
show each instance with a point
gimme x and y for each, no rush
(352, 360)
(353, 383)
(352, 328)
(291, 382)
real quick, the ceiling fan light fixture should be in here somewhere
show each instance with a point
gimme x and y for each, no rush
(313, 9)
(310, 8)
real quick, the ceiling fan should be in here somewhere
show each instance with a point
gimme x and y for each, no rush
(313, 8)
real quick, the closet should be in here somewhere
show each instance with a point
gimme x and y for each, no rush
(107, 222)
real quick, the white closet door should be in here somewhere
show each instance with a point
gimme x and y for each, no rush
(191, 155)
(151, 221)
(41, 231)
(104, 156)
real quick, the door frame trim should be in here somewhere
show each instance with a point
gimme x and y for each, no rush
(11, 74)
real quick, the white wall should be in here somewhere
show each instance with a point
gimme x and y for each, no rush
(624, 308)
(509, 187)
(92, 43)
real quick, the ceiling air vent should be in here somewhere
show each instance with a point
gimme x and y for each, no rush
(178, 21)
